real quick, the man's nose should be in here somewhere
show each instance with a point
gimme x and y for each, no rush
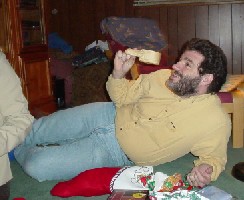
(178, 66)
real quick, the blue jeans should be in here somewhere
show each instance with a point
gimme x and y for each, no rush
(70, 141)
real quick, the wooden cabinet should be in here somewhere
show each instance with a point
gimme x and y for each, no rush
(27, 50)
(3, 34)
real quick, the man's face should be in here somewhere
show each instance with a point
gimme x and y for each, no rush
(185, 78)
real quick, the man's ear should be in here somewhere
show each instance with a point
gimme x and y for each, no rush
(207, 79)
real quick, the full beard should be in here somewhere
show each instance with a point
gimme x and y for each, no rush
(186, 86)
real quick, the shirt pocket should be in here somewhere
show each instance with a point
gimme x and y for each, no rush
(166, 133)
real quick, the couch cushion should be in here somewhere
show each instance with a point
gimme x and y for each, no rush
(89, 84)
(225, 97)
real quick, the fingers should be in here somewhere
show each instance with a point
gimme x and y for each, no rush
(124, 60)
(200, 175)
(197, 179)
(193, 180)
(119, 53)
(201, 180)
(122, 56)
(190, 179)
(122, 64)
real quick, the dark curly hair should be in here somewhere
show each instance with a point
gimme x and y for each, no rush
(215, 61)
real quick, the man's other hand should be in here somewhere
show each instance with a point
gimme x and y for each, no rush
(200, 175)
(122, 64)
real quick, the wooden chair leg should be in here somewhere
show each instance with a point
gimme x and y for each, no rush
(238, 119)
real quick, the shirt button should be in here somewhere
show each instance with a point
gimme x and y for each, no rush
(166, 111)
(121, 129)
(150, 118)
(135, 122)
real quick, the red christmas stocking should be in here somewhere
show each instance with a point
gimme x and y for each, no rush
(93, 182)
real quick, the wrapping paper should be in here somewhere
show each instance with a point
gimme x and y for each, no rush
(144, 179)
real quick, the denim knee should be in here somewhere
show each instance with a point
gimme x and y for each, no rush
(34, 169)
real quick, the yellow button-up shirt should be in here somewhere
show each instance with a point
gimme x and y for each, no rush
(155, 126)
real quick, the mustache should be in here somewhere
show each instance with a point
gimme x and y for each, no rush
(178, 74)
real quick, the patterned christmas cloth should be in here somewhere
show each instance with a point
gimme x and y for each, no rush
(134, 183)
(161, 186)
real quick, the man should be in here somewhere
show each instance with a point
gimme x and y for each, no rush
(158, 118)
(15, 121)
